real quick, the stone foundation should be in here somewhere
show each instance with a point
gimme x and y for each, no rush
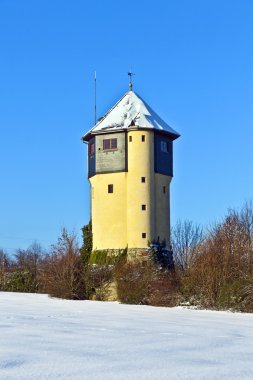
(133, 254)
(137, 254)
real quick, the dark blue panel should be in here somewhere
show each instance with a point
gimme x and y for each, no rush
(163, 154)
(92, 159)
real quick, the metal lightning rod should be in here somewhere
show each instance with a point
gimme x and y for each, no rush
(95, 100)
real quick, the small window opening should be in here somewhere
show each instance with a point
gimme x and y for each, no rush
(109, 144)
(143, 179)
(110, 188)
(143, 207)
(143, 138)
(164, 189)
(92, 148)
(130, 139)
(143, 235)
(165, 146)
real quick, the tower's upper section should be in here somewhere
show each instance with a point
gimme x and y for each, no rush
(130, 112)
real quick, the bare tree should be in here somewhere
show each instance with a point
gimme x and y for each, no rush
(29, 261)
(4, 267)
(186, 238)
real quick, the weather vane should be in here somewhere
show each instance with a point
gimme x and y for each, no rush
(130, 73)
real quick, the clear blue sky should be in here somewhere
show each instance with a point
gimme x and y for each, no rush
(194, 65)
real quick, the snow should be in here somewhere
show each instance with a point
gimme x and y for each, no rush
(45, 338)
(129, 110)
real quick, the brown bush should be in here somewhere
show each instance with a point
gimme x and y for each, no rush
(145, 283)
(62, 273)
(132, 282)
(164, 289)
(224, 260)
(98, 281)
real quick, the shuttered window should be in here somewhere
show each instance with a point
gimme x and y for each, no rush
(109, 144)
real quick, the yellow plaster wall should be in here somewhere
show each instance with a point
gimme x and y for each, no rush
(140, 164)
(108, 211)
(162, 204)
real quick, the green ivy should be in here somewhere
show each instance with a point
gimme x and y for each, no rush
(105, 257)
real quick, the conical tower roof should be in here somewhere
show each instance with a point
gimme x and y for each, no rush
(130, 112)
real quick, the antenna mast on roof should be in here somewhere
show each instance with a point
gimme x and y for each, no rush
(95, 100)
(130, 73)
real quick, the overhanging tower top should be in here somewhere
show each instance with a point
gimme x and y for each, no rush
(130, 112)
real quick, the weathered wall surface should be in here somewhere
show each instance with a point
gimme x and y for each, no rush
(109, 161)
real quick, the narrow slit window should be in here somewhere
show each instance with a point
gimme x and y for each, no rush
(143, 138)
(165, 146)
(143, 179)
(110, 188)
(91, 148)
(143, 207)
(164, 189)
(143, 235)
(130, 138)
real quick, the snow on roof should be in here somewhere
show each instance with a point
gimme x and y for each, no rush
(131, 111)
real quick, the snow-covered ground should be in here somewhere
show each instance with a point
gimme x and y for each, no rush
(45, 338)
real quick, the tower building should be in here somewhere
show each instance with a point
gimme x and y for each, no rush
(130, 167)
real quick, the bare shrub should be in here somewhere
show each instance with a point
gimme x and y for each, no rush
(98, 281)
(62, 274)
(223, 262)
(132, 282)
(28, 263)
(247, 294)
(5, 265)
(164, 289)
(145, 283)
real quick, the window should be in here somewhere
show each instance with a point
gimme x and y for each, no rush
(110, 188)
(143, 138)
(143, 179)
(109, 144)
(143, 207)
(130, 139)
(164, 189)
(143, 235)
(91, 148)
(165, 146)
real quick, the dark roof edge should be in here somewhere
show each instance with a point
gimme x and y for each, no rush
(89, 135)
